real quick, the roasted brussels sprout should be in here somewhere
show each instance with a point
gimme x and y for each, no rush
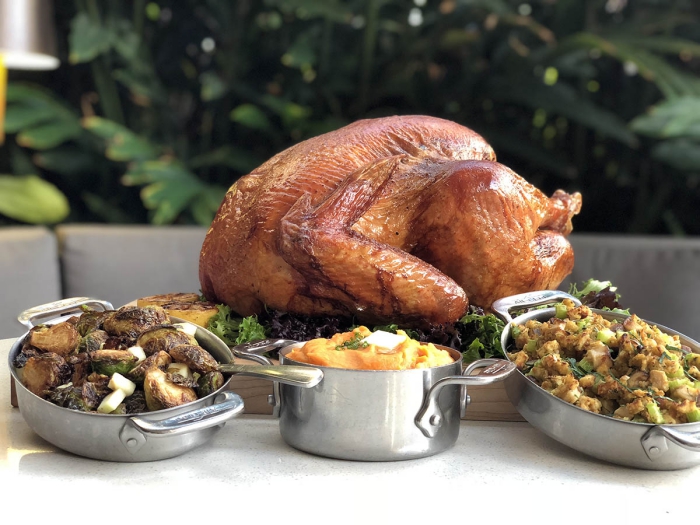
(163, 338)
(132, 320)
(80, 364)
(95, 390)
(160, 360)
(119, 342)
(72, 363)
(181, 380)
(68, 396)
(61, 338)
(93, 341)
(43, 372)
(121, 409)
(21, 358)
(136, 403)
(162, 393)
(196, 357)
(91, 320)
(108, 362)
(84, 398)
(209, 382)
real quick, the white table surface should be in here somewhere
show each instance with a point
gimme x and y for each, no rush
(496, 471)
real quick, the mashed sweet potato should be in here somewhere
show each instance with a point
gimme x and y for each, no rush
(348, 350)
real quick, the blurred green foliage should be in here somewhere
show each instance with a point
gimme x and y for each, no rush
(159, 106)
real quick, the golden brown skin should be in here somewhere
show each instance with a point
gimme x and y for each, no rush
(401, 219)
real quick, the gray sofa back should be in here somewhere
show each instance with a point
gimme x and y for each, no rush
(29, 273)
(122, 263)
(113, 263)
(657, 277)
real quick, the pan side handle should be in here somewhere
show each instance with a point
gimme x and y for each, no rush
(502, 307)
(654, 441)
(137, 431)
(64, 306)
(430, 417)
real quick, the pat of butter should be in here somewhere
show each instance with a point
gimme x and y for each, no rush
(384, 339)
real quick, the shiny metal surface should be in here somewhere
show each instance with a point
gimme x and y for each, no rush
(639, 445)
(38, 314)
(370, 415)
(27, 34)
(430, 417)
(149, 436)
(300, 376)
(261, 346)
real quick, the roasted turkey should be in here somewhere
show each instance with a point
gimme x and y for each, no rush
(404, 219)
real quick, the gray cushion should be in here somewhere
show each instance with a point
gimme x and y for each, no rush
(29, 273)
(658, 278)
(122, 263)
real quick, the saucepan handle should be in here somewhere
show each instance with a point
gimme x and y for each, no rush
(502, 307)
(654, 441)
(301, 376)
(137, 431)
(253, 351)
(30, 317)
(430, 417)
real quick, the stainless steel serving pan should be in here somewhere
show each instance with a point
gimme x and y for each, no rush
(381, 415)
(640, 445)
(148, 436)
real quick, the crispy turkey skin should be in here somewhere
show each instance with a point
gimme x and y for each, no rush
(402, 219)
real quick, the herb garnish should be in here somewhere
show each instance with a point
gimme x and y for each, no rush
(647, 390)
(575, 368)
(353, 344)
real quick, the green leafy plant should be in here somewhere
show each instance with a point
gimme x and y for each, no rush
(161, 105)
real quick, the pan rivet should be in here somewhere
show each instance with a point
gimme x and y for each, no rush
(653, 451)
(131, 442)
(435, 420)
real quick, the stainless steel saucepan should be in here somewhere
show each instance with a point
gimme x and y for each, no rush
(148, 436)
(640, 445)
(381, 415)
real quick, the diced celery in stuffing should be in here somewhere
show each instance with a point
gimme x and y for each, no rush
(654, 413)
(694, 415)
(678, 373)
(604, 335)
(676, 383)
(585, 365)
(692, 360)
(560, 311)
(530, 346)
